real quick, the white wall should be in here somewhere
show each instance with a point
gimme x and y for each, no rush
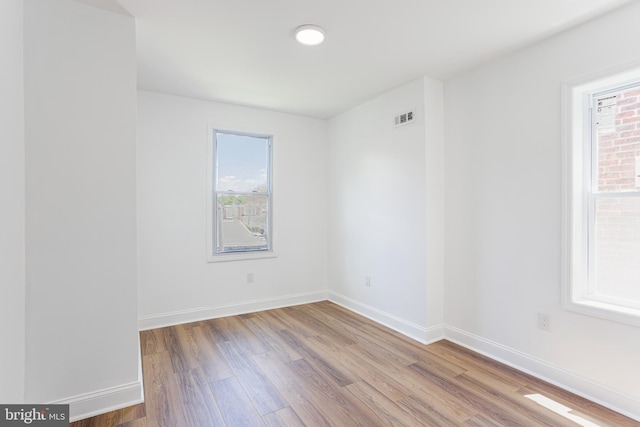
(80, 117)
(380, 208)
(12, 305)
(503, 214)
(434, 193)
(176, 284)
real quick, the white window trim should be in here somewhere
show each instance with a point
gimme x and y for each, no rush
(575, 130)
(239, 256)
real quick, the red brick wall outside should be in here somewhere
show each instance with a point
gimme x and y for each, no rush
(618, 219)
(617, 151)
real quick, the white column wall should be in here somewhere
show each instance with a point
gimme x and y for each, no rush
(12, 194)
(80, 116)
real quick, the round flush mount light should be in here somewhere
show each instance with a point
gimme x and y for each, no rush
(310, 35)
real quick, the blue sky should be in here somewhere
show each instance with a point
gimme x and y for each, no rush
(242, 162)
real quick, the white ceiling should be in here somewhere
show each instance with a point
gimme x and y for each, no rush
(243, 52)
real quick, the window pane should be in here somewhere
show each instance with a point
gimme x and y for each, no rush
(243, 222)
(617, 247)
(242, 163)
(617, 117)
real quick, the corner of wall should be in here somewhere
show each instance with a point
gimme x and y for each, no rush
(102, 401)
(419, 333)
(434, 175)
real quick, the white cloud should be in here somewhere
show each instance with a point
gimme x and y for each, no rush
(228, 183)
(233, 183)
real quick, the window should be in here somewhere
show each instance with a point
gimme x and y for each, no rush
(240, 196)
(602, 195)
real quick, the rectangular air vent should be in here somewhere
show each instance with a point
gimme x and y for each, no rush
(404, 118)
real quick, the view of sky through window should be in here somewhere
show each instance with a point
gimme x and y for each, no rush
(242, 163)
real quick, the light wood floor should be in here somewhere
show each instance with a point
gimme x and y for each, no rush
(322, 365)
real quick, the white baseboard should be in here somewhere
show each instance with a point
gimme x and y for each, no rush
(110, 399)
(596, 392)
(416, 332)
(194, 315)
(103, 401)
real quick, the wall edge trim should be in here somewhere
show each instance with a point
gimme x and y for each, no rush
(416, 332)
(102, 401)
(243, 307)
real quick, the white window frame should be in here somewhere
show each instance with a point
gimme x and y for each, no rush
(211, 255)
(577, 200)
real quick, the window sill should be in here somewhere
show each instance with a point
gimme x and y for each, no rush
(241, 256)
(603, 310)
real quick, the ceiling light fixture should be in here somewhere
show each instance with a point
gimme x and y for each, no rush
(310, 35)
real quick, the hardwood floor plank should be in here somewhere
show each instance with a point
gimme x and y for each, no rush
(219, 329)
(275, 341)
(579, 406)
(285, 417)
(486, 364)
(287, 316)
(387, 384)
(365, 325)
(209, 357)
(300, 400)
(427, 413)
(318, 311)
(142, 422)
(263, 394)
(164, 407)
(199, 404)
(234, 404)
(179, 347)
(495, 381)
(269, 320)
(441, 365)
(379, 355)
(340, 376)
(97, 421)
(476, 362)
(478, 400)
(316, 323)
(152, 341)
(404, 348)
(362, 337)
(504, 407)
(398, 372)
(337, 405)
(243, 337)
(387, 411)
(512, 401)
(124, 415)
(479, 420)
(429, 397)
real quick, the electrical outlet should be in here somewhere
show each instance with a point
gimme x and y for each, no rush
(250, 278)
(544, 321)
(367, 281)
